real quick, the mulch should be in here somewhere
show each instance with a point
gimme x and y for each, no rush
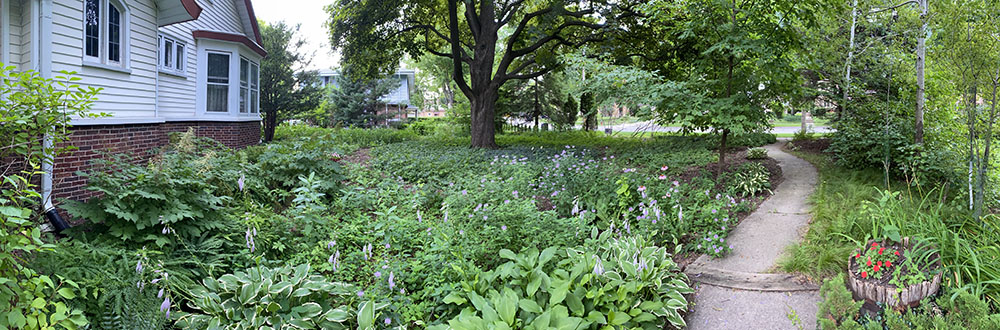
(816, 146)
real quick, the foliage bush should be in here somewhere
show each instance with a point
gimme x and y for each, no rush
(751, 179)
(274, 298)
(143, 204)
(625, 282)
(33, 107)
(756, 153)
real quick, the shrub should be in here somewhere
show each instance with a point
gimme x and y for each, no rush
(626, 283)
(282, 164)
(31, 107)
(756, 153)
(751, 179)
(117, 295)
(274, 298)
(142, 204)
(838, 306)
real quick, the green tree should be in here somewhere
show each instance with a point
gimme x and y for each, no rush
(355, 101)
(286, 87)
(743, 62)
(499, 41)
(565, 116)
(531, 99)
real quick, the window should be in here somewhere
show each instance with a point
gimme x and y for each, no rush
(105, 32)
(218, 83)
(92, 30)
(254, 87)
(171, 55)
(249, 87)
(244, 84)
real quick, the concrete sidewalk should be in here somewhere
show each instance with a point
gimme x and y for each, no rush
(742, 290)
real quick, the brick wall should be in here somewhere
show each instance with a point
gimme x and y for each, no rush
(136, 141)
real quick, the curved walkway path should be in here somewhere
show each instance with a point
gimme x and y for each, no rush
(742, 291)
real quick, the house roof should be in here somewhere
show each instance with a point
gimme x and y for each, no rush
(176, 11)
(249, 19)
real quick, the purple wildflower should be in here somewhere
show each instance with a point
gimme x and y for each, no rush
(241, 181)
(392, 282)
(361, 293)
(378, 274)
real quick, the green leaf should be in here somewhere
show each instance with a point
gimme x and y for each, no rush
(508, 254)
(454, 298)
(618, 318)
(66, 293)
(530, 306)
(489, 314)
(507, 305)
(575, 304)
(38, 303)
(366, 315)
(308, 310)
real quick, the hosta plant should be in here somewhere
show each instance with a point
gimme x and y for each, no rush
(756, 153)
(624, 282)
(753, 178)
(275, 298)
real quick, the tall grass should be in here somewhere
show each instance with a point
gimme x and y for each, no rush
(851, 206)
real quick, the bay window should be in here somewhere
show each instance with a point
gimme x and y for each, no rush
(249, 86)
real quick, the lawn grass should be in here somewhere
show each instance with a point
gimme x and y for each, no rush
(796, 121)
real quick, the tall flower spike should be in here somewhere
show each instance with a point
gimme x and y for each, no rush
(241, 181)
(598, 267)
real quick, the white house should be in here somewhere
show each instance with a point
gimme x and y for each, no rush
(163, 66)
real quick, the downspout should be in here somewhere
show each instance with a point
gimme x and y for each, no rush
(43, 40)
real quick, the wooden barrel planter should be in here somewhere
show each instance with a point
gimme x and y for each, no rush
(880, 291)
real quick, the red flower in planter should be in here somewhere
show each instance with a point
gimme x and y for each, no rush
(864, 274)
(876, 268)
(858, 256)
(897, 253)
(869, 262)
(888, 264)
(880, 250)
(880, 264)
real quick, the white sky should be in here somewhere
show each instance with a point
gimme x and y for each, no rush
(311, 16)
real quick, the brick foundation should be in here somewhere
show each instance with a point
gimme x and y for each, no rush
(137, 141)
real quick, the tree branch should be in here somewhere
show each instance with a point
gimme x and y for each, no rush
(456, 49)
(470, 16)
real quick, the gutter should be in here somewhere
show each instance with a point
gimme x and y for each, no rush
(43, 42)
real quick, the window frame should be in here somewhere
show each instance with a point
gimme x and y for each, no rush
(228, 83)
(178, 55)
(103, 57)
(249, 90)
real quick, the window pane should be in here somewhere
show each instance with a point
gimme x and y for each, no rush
(243, 99)
(180, 57)
(92, 30)
(218, 98)
(253, 76)
(168, 49)
(253, 101)
(114, 34)
(218, 68)
(244, 68)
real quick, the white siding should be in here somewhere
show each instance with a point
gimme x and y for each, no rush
(20, 35)
(178, 94)
(124, 95)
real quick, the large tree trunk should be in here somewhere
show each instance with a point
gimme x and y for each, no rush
(483, 113)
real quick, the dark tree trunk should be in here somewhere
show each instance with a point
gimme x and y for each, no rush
(722, 150)
(270, 122)
(483, 112)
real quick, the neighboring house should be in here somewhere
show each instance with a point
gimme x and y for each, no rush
(164, 66)
(396, 105)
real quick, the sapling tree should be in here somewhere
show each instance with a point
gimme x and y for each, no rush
(287, 87)
(743, 62)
